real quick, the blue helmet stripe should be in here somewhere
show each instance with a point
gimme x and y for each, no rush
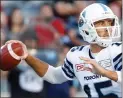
(84, 14)
(104, 8)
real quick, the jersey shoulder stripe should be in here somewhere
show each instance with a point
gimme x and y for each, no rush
(118, 62)
(66, 73)
(118, 66)
(68, 68)
(68, 65)
(76, 48)
(117, 44)
(117, 57)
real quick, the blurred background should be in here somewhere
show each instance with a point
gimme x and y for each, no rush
(49, 29)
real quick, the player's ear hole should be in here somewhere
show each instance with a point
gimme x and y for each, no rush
(86, 32)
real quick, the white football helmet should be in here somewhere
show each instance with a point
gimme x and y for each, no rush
(93, 13)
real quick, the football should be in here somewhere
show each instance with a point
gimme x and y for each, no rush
(10, 56)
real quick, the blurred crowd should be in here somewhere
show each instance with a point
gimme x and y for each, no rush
(49, 29)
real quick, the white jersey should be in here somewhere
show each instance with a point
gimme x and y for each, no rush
(94, 85)
(114, 52)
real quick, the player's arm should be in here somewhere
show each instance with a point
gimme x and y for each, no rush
(39, 66)
(46, 71)
(113, 75)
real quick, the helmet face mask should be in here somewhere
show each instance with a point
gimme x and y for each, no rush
(90, 32)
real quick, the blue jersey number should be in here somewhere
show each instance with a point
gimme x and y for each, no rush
(98, 87)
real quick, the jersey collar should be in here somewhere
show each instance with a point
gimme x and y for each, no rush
(90, 54)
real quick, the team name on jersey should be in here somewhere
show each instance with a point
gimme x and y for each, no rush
(92, 77)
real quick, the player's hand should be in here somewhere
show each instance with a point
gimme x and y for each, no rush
(97, 68)
(23, 46)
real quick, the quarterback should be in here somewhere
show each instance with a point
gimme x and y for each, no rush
(99, 26)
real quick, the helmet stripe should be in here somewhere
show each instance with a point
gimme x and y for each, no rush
(104, 8)
(84, 14)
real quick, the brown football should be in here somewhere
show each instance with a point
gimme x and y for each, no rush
(10, 56)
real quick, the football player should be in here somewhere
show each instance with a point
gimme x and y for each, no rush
(98, 26)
